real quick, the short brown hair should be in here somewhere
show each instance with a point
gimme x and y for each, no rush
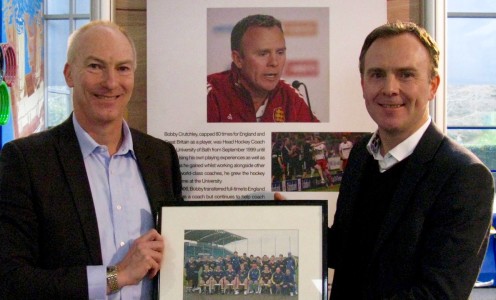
(251, 21)
(398, 28)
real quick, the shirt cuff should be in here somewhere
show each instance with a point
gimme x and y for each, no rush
(97, 282)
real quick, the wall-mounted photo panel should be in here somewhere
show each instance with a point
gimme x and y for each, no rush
(219, 96)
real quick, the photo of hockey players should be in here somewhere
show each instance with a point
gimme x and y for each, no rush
(241, 264)
(310, 161)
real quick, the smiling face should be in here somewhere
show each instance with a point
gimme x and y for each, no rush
(261, 59)
(102, 76)
(397, 85)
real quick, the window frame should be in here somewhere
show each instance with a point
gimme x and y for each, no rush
(436, 17)
(99, 10)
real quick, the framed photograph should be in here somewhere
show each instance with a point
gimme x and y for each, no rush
(261, 249)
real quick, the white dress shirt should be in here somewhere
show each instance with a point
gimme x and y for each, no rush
(398, 153)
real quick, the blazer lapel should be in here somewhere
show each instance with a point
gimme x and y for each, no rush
(414, 171)
(75, 172)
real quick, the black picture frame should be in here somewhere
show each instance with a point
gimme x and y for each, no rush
(177, 221)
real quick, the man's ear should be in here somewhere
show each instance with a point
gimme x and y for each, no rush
(237, 58)
(362, 84)
(68, 75)
(434, 84)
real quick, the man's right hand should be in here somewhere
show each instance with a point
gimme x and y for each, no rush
(144, 258)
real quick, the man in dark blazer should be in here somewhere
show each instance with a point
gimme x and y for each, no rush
(414, 208)
(49, 221)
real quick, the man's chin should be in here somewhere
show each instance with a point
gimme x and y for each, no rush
(269, 88)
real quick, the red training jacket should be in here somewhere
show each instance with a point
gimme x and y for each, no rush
(229, 101)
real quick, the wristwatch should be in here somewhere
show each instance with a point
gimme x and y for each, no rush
(112, 279)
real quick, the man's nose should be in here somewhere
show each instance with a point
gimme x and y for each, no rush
(391, 85)
(109, 79)
(273, 59)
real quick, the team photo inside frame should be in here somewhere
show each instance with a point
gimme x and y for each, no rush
(208, 244)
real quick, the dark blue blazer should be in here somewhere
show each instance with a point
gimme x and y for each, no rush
(434, 235)
(48, 224)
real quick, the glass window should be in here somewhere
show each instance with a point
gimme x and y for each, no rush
(470, 41)
(480, 141)
(471, 6)
(82, 22)
(59, 100)
(57, 6)
(57, 34)
(471, 78)
(471, 105)
(82, 6)
(61, 18)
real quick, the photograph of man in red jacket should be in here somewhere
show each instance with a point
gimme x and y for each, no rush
(252, 90)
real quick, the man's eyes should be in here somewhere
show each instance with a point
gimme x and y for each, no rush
(94, 66)
(407, 74)
(377, 74)
(265, 53)
(399, 75)
(124, 68)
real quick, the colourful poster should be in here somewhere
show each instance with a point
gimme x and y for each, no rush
(22, 30)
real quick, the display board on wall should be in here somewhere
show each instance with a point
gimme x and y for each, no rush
(188, 40)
